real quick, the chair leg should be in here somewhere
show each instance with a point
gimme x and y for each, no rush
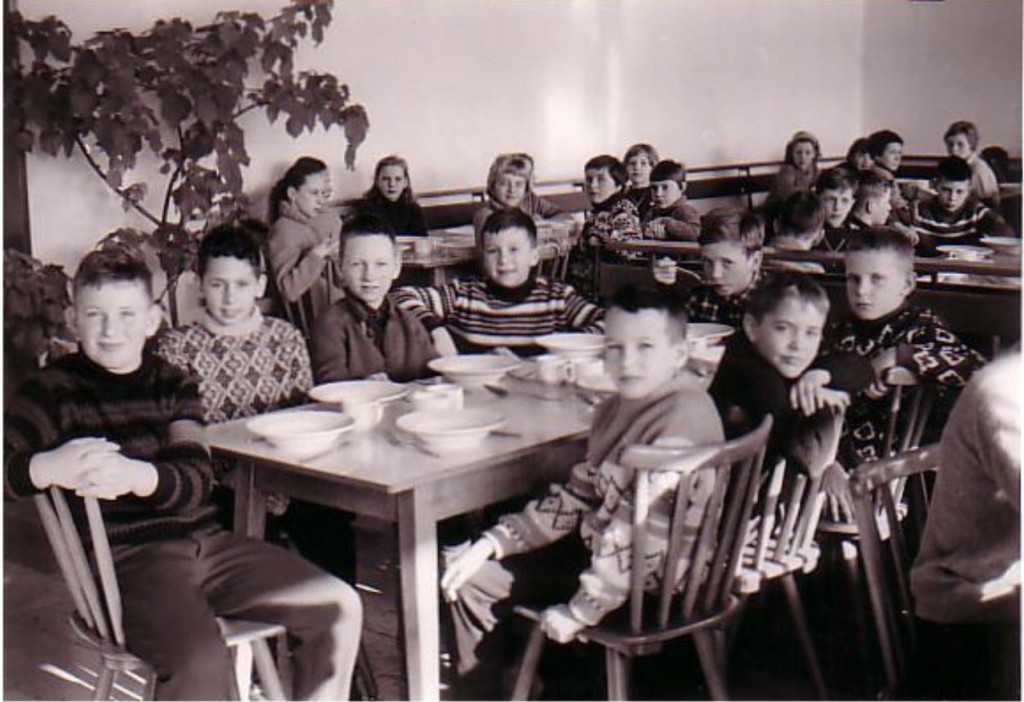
(851, 569)
(709, 663)
(796, 608)
(528, 668)
(267, 668)
(104, 682)
(617, 671)
(242, 655)
(365, 681)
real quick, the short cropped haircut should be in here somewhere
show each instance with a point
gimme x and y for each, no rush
(954, 169)
(613, 165)
(669, 170)
(967, 129)
(229, 241)
(859, 146)
(635, 298)
(113, 266)
(516, 164)
(500, 220)
(882, 239)
(871, 186)
(801, 213)
(771, 291)
(838, 178)
(366, 225)
(641, 149)
(881, 139)
(726, 225)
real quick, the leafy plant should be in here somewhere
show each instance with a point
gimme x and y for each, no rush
(175, 92)
(35, 298)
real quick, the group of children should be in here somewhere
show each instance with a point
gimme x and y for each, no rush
(120, 422)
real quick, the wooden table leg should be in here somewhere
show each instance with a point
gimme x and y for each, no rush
(417, 546)
(250, 503)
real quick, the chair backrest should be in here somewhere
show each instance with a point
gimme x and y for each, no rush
(554, 260)
(878, 523)
(301, 312)
(95, 593)
(709, 560)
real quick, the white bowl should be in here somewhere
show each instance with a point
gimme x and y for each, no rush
(451, 430)
(1003, 245)
(363, 400)
(473, 371)
(573, 345)
(301, 433)
(706, 333)
(964, 252)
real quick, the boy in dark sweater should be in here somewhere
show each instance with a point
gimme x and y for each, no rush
(115, 422)
(730, 252)
(670, 216)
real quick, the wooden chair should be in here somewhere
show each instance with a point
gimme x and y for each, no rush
(706, 601)
(554, 260)
(97, 620)
(874, 487)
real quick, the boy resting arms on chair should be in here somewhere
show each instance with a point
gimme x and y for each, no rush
(570, 543)
(115, 422)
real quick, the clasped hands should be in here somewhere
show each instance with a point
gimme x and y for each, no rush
(93, 467)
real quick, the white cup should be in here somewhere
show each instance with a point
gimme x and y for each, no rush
(554, 370)
(366, 415)
(442, 396)
(588, 367)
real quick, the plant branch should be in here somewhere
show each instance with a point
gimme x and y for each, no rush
(174, 175)
(249, 107)
(99, 172)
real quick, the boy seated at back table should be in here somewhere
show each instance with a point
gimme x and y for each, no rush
(955, 215)
(799, 226)
(837, 188)
(511, 307)
(670, 215)
(572, 545)
(116, 422)
(367, 334)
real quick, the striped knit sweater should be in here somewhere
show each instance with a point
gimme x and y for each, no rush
(967, 225)
(482, 316)
(74, 398)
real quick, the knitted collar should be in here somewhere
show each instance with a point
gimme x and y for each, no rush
(363, 312)
(611, 202)
(242, 328)
(95, 372)
(871, 327)
(287, 209)
(516, 294)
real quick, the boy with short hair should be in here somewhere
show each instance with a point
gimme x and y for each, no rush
(511, 307)
(955, 215)
(367, 333)
(886, 149)
(670, 215)
(800, 226)
(538, 553)
(730, 251)
(872, 204)
(118, 423)
(883, 327)
(837, 188)
(962, 140)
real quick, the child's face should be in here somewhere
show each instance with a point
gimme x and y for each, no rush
(803, 155)
(789, 336)
(369, 265)
(642, 353)
(392, 182)
(953, 193)
(510, 189)
(112, 321)
(230, 289)
(876, 210)
(863, 161)
(310, 197)
(837, 204)
(877, 282)
(508, 257)
(600, 185)
(728, 268)
(892, 155)
(665, 193)
(958, 145)
(639, 169)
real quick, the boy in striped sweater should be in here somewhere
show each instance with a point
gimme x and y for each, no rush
(511, 307)
(115, 422)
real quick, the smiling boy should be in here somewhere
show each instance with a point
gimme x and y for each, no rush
(730, 252)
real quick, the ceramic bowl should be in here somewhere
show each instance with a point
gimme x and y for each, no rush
(301, 433)
(573, 346)
(362, 400)
(1003, 245)
(451, 430)
(963, 252)
(473, 371)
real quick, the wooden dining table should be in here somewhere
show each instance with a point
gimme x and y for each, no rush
(381, 474)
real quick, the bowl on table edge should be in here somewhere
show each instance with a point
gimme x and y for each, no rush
(451, 430)
(362, 400)
(473, 371)
(301, 433)
(1003, 245)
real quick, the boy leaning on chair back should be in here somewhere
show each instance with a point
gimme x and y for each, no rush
(730, 252)
(116, 422)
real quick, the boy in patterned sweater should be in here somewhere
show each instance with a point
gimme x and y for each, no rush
(115, 422)
(511, 307)
(730, 252)
(571, 546)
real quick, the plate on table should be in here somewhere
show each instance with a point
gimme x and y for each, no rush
(451, 430)
(301, 433)
(573, 345)
(1003, 245)
(963, 252)
(707, 333)
(473, 370)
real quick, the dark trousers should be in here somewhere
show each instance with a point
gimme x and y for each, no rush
(173, 589)
(966, 662)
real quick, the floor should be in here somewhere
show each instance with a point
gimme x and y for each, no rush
(42, 661)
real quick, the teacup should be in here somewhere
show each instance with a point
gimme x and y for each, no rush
(555, 370)
(366, 415)
(588, 367)
(441, 396)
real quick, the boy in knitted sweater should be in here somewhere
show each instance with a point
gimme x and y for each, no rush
(572, 545)
(511, 307)
(731, 244)
(117, 423)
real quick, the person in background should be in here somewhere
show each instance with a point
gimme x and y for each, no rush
(391, 199)
(966, 577)
(872, 204)
(670, 215)
(304, 234)
(730, 252)
(511, 307)
(858, 157)
(962, 141)
(510, 187)
(800, 226)
(639, 160)
(886, 147)
(837, 188)
(800, 170)
(955, 215)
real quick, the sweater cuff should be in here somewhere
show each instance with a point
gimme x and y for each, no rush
(586, 609)
(499, 551)
(506, 543)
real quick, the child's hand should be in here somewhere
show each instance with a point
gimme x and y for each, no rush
(877, 390)
(559, 624)
(65, 465)
(912, 236)
(836, 485)
(464, 566)
(118, 475)
(443, 342)
(664, 270)
(805, 393)
(884, 361)
(328, 248)
(656, 228)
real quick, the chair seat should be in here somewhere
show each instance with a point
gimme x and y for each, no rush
(242, 631)
(118, 657)
(749, 579)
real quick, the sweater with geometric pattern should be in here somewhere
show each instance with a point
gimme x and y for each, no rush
(74, 397)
